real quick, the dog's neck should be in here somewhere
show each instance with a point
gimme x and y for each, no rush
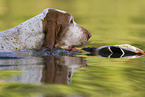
(18, 38)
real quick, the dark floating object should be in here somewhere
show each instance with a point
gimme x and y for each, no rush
(116, 51)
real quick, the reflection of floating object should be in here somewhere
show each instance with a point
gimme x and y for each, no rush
(116, 51)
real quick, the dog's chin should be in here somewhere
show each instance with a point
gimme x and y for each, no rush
(72, 49)
(67, 48)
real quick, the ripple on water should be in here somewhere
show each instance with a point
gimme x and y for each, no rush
(33, 52)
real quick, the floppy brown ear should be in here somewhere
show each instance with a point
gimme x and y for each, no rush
(51, 30)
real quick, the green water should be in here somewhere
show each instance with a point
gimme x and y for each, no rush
(111, 22)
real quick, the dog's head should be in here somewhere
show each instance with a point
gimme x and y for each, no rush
(62, 31)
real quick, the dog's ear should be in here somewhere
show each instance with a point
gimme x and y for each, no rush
(51, 30)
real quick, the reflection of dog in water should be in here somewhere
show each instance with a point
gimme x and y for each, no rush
(50, 69)
(60, 69)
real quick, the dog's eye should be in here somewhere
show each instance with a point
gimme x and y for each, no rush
(71, 21)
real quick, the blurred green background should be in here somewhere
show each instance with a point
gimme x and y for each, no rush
(111, 22)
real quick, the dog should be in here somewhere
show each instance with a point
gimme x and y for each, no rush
(52, 28)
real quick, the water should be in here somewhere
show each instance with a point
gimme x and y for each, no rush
(36, 73)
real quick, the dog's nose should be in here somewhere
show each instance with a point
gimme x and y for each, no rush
(89, 35)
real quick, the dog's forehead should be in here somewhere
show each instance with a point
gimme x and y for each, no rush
(55, 13)
(45, 11)
(59, 10)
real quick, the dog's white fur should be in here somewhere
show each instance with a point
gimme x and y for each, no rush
(18, 37)
(30, 35)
